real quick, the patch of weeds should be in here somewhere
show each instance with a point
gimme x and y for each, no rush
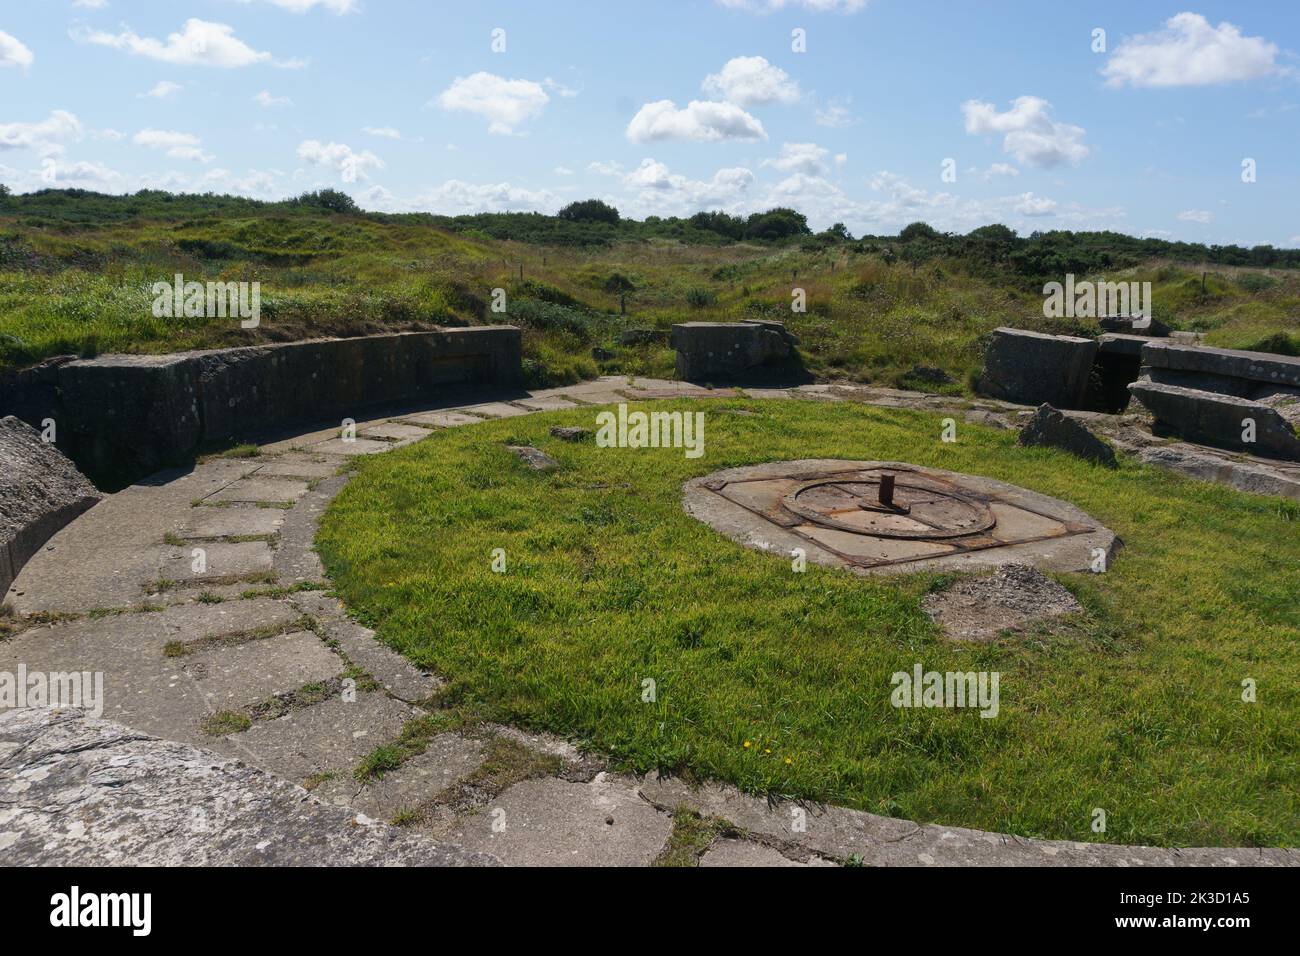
(282, 505)
(690, 837)
(185, 648)
(207, 597)
(160, 586)
(171, 538)
(279, 592)
(226, 722)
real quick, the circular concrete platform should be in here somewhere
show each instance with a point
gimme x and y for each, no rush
(893, 517)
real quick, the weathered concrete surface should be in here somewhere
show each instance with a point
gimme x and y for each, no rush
(725, 350)
(742, 853)
(71, 573)
(1207, 465)
(1263, 367)
(331, 736)
(447, 759)
(79, 792)
(124, 416)
(1219, 419)
(1032, 368)
(1050, 429)
(842, 834)
(550, 822)
(40, 492)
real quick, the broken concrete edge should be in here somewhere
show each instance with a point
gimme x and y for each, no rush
(857, 837)
(122, 417)
(144, 801)
(41, 491)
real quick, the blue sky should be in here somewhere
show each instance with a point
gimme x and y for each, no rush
(669, 107)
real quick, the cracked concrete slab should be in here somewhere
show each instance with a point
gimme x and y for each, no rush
(550, 822)
(258, 489)
(230, 522)
(395, 432)
(230, 678)
(330, 736)
(742, 853)
(359, 446)
(448, 758)
(219, 560)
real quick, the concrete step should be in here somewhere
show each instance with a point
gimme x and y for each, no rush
(1219, 419)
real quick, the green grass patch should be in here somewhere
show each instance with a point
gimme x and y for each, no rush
(610, 584)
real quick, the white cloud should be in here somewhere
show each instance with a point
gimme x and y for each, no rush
(559, 89)
(700, 121)
(303, 6)
(503, 103)
(653, 189)
(562, 171)
(1190, 52)
(455, 197)
(1000, 169)
(1028, 130)
(806, 158)
(177, 145)
(90, 4)
(817, 6)
(46, 136)
(751, 81)
(265, 100)
(1031, 205)
(384, 132)
(1196, 215)
(200, 43)
(834, 114)
(163, 89)
(350, 165)
(56, 173)
(13, 52)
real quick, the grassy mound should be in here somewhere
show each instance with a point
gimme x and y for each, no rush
(780, 682)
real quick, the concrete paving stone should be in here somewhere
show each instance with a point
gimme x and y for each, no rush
(603, 397)
(552, 822)
(84, 792)
(441, 419)
(307, 440)
(295, 560)
(394, 672)
(230, 522)
(221, 559)
(103, 557)
(359, 446)
(768, 392)
(253, 490)
(233, 677)
(394, 431)
(297, 467)
(735, 853)
(553, 403)
(330, 736)
(495, 410)
(447, 759)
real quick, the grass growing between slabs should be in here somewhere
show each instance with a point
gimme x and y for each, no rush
(780, 682)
